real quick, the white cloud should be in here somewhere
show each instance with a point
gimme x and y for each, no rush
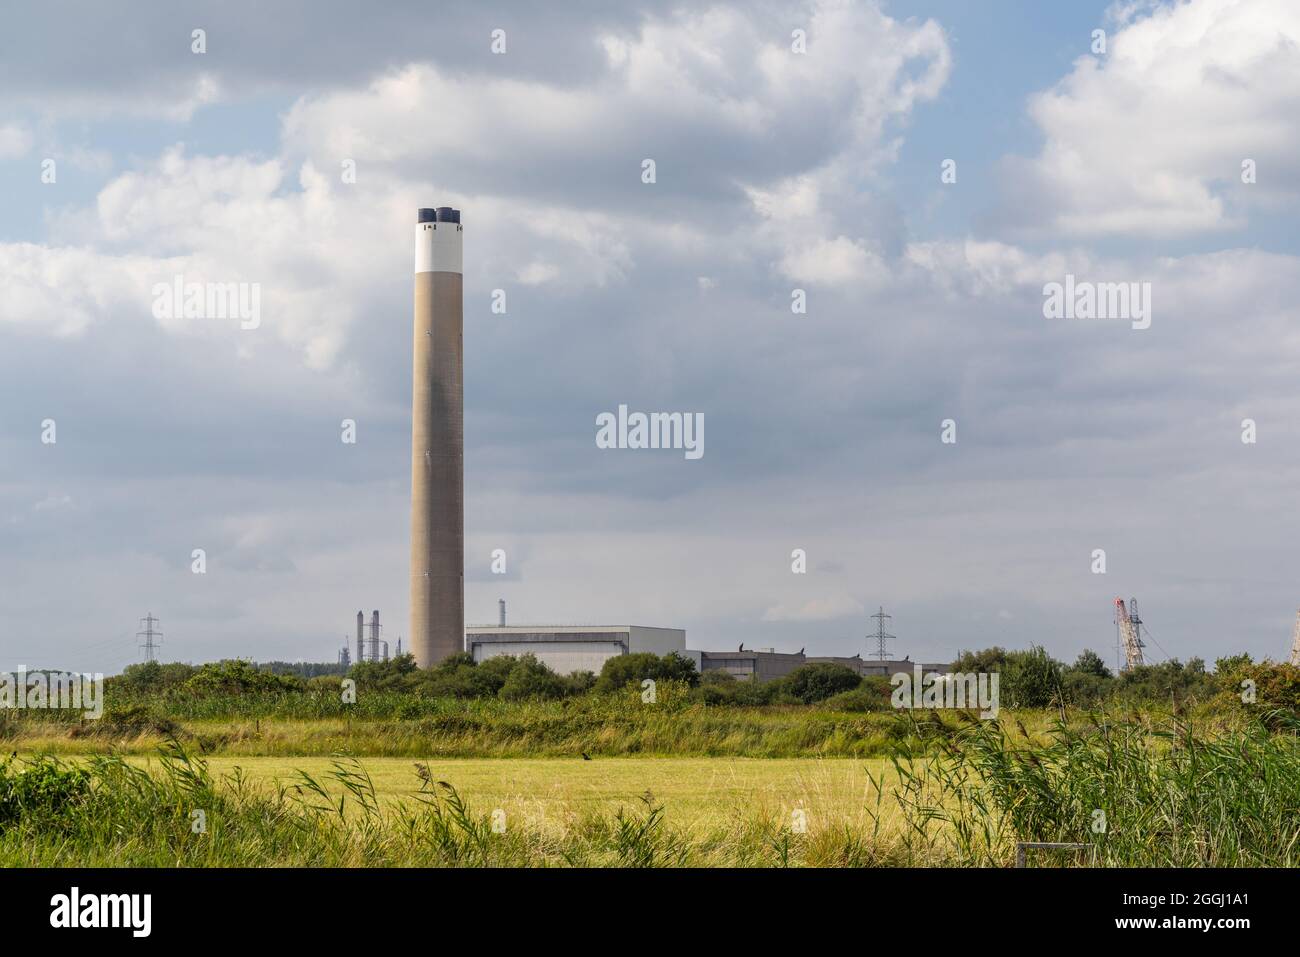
(176, 99)
(816, 609)
(15, 141)
(315, 250)
(1150, 139)
(63, 290)
(690, 85)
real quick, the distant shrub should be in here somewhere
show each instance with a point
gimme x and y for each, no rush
(622, 670)
(1085, 690)
(1169, 682)
(460, 677)
(530, 678)
(717, 676)
(1030, 679)
(977, 662)
(1276, 688)
(579, 682)
(752, 692)
(148, 676)
(237, 677)
(857, 700)
(1090, 663)
(819, 681)
(396, 674)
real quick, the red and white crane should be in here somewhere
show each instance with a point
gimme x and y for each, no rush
(1129, 633)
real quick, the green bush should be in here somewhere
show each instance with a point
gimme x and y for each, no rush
(529, 679)
(1276, 689)
(1090, 663)
(1030, 679)
(623, 670)
(42, 793)
(397, 673)
(459, 677)
(579, 682)
(237, 677)
(980, 662)
(858, 700)
(819, 681)
(1171, 683)
(154, 676)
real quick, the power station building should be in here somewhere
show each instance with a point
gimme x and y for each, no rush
(759, 664)
(438, 512)
(885, 667)
(768, 664)
(568, 648)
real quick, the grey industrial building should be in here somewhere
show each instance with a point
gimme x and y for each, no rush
(763, 664)
(568, 648)
(877, 666)
(767, 664)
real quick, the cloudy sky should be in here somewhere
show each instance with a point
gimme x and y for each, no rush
(127, 159)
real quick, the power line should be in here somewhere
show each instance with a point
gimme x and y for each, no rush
(881, 636)
(149, 634)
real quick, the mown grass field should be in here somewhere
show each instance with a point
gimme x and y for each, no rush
(698, 794)
(660, 788)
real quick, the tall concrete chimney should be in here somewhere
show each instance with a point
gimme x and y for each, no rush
(501, 608)
(437, 442)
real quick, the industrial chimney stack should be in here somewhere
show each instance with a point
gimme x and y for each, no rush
(437, 442)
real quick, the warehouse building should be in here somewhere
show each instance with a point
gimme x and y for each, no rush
(760, 664)
(568, 648)
(767, 664)
(876, 666)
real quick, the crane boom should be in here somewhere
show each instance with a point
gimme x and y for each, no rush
(1129, 636)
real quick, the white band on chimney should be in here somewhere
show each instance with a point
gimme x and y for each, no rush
(438, 247)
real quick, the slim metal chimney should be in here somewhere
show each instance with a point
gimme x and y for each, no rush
(437, 441)
(361, 637)
(501, 612)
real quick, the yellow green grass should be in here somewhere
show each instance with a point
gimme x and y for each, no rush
(698, 794)
(1172, 796)
(600, 728)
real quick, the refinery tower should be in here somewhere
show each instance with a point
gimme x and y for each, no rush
(437, 442)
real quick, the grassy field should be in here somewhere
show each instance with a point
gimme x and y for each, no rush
(698, 794)
(1141, 789)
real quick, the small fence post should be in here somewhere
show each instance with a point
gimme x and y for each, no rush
(1023, 846)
